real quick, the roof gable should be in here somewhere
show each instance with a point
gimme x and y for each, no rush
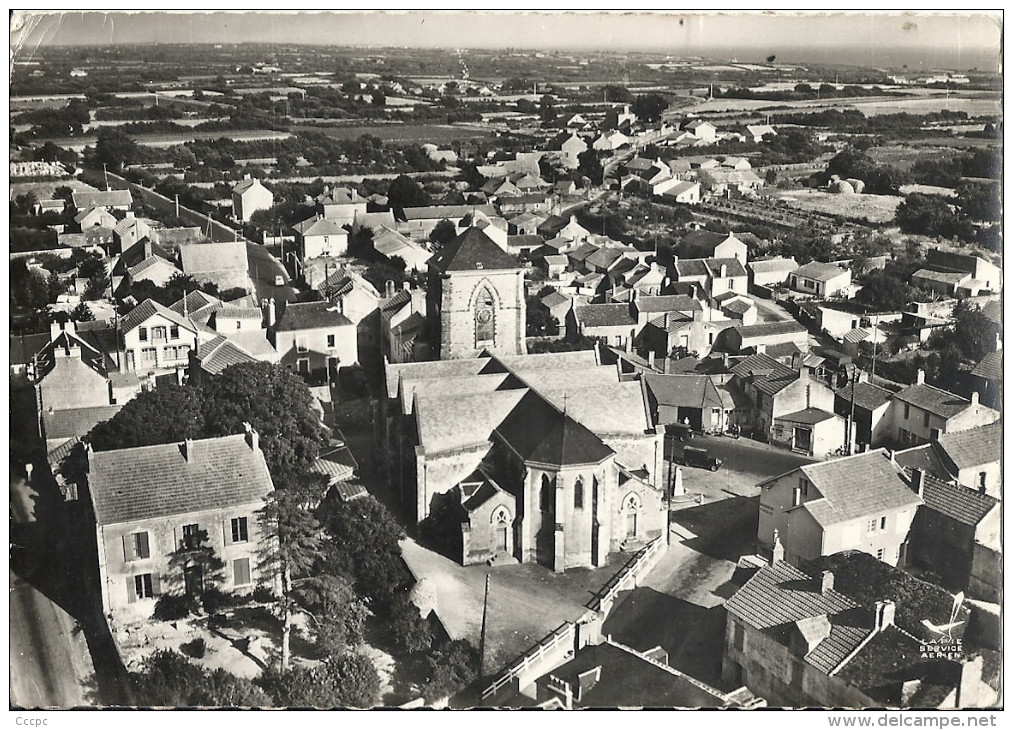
(473, 250)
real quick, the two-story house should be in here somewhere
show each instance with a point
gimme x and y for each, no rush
(921, 413)
(820, 279)
(312, 336)
(155, 339)
(711, 245)
(861, 502)
(154, 508)
(775, 390)
(972, 458)
(320, 237)
(248, 196)
(341, 205)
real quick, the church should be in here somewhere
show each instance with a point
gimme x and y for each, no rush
(548, 458)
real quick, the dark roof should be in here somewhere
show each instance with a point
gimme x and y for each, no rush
(25, 347)
(473, 250)
(138, 252)
(867, 396)
(733, 267)
(691, 267)
(769, 375)
(779, 349)
(76, 421)
(807, 416)
(691, 391)
(934, 400)
(540, 432)
(973, 447)
(147, 309)
(310, 315)
(963, 504)
(452, 213)
(706, 240)
(819, 271)
(993, 310)
(780, 593)
(990, 366)
(604, 315)
(147, 482)
(924, 457)
(524, 240)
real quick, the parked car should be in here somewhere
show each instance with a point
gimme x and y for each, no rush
(700, 458)
(279, 280)
(681, 431)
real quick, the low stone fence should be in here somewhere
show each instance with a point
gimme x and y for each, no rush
(626, 579)
(552, 650)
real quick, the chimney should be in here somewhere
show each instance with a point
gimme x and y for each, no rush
(252, 437)
(147, 247)
(761, 348)
(666, 320)
(724, 270)
(389, 288)
(246, 176)
(777, 555)
(188, 452)
(974, 398)
(918, 482)
(920, 378)
(826, 582)
(271, 316)
(885, 612)
(130, 215)
(407, 286)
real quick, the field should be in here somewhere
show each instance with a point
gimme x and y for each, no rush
(870, 106)
(438, 134)
(44, 190)
(876, 208)
(904, 156)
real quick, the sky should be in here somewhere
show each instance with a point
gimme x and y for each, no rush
(921, 39)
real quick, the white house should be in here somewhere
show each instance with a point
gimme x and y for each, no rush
(249, 196)
(320, 237)
(823, 280)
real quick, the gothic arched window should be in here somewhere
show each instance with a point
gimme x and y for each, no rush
(578, 494)
(485, 318)
(547, 495)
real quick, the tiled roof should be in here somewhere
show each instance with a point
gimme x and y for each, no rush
(990, 366)
(582, 252)
(691, 391)
(220, 353)
(243, 185)
(555, 299)
(76, 421)
(668, 303)
(856, 335)
(320, 227)
(25, 347)
(604, 315)
(819, 271)
(934, 400)
(524, 240)
(473, 250)
(436, 369)
(670, 321)
(147, 309)
(452, 213)
(760, 364)
(335, 462)
(807, 416)
(867, 396)
(924, 457)
(993, 310)
(194, 302)
(781, 349)
(348, 489)
(973, 447)
(604, 257)
(310, 315)
(147, 482)
(780, 593)
(206, 256)
(733, 267)
(848, 629)
(691, 267)
(147, 264)
(701, 239)
(856, 486)
(741, 307)
(963, 504)
(340, 196)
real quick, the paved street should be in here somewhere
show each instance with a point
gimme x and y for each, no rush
(263, 268)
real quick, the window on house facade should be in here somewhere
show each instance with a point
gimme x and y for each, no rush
(870, 527)
(191, 536)
(740, 637)
(136, 547)
(796, 496)
(882, 522)
(907, 411)
(803, 484)
(925, 421)
(143, 586)
(879, 554)
(331, 340)
(982, 477)
(239, 325)
(158, 333)
(239, 530)
(301, 345)
(142, 334)
(578, 494)
(174, 332)
(149, 355)
(241, 571)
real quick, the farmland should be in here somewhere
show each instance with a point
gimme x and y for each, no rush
(438, 134)
(875, 208)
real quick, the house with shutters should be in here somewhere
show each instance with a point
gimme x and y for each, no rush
(862, 502)
(850, 631)
(156, 339)
(320, 237)
(921, 413)
(341, 205)
(972, 457)
(313, 336)
(155, 507)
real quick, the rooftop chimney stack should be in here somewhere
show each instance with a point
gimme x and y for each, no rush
(188, 452)
(777, 555)
(826, 582)
(920, 379)
(885, 613)
(974, 398)
(918, 482)
(271, 315)
(252, 437)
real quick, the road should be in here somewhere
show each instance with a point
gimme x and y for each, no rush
(49, 660)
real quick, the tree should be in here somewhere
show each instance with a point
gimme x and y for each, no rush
(443, 233)
(167, 414)
(339, 615)
(363, 544)
(406, 193)
(547, 109)
(277, 404)
(82, 313)
(649, 107)
(590, 167)
(617, 93)
(450, 667)
(979, 201)
(292, 550)
(540, 322)
(345, 681)
(115, 148)
(884, 291)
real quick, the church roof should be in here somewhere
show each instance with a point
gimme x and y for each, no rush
(473, 250)
(541, 433)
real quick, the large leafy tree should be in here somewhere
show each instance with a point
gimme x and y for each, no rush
(345, 681)
(649, 107)
(164, 415)
(443, 233)
(169, 679)
(406, 193)
(115, 148)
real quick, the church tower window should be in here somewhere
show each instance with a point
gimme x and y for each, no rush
(547, 495)
(485, 319)
(578, 494)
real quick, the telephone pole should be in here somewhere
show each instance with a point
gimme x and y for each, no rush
(481, 641)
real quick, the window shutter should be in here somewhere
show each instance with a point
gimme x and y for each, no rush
(156, 585)
(131, 591)
(227, 531)
(142, 547)
(128, 548)
(241, 571)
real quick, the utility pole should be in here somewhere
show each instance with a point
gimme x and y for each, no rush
(105, 174)
(851, 421)
(177, 205)
(481, 640)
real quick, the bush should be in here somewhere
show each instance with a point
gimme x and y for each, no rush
(451, 668)
(410, 631)
(215, 600)
(263, 594)
(172, 607)
(195, 649)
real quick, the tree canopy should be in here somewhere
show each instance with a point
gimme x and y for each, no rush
(169, 679)
(406, 193)
(649, 107)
